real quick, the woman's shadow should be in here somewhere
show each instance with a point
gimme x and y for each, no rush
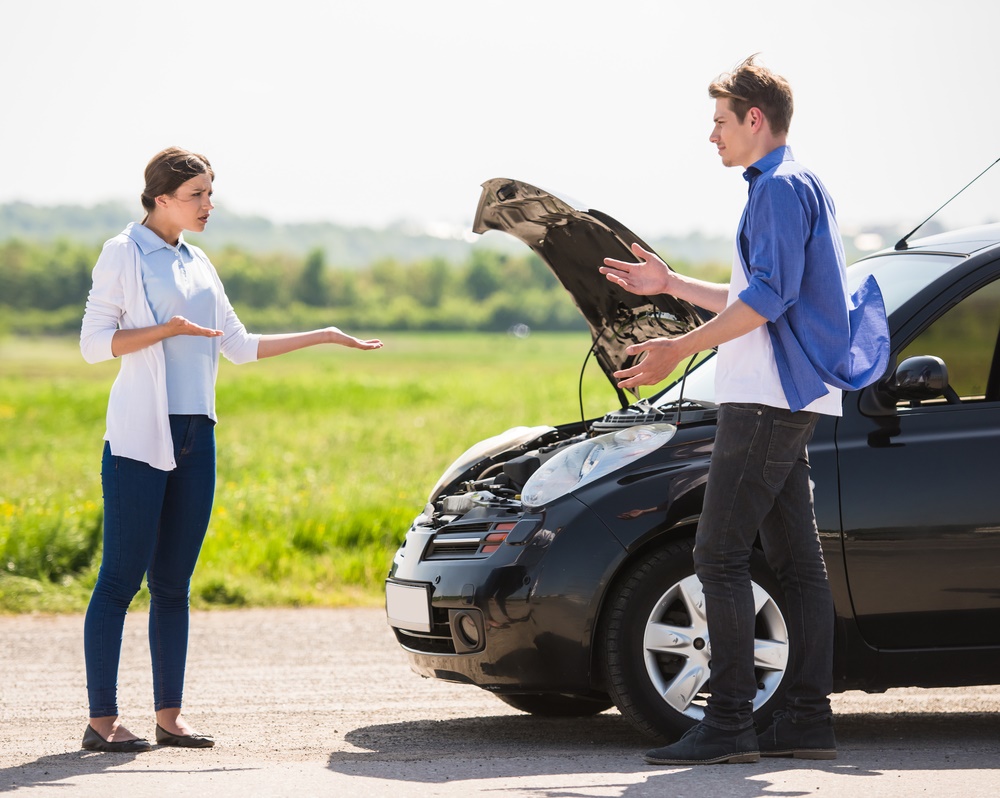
(56, 768)
(60, 769)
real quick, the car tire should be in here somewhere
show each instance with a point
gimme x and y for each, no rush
(556, 705)
(654, 642)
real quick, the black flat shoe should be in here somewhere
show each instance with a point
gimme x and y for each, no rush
(163, 737)
(92, 741)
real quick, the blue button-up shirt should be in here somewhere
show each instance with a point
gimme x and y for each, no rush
(791, 252)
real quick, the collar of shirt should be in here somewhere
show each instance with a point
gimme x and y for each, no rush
(768, 162)
(148, 241)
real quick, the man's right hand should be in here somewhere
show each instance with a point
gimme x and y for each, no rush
(647, 277)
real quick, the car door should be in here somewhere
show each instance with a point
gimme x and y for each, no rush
(920, 488)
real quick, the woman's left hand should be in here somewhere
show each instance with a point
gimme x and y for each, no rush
(338, 336)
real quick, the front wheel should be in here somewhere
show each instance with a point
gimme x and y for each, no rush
(656, 650)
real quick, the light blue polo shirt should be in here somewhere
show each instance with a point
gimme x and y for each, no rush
(178, 282)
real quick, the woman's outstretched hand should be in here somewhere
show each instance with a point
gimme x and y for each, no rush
(280, 344)
(343, 339)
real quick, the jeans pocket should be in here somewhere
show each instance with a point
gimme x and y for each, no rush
(746, 407)
(783, 449)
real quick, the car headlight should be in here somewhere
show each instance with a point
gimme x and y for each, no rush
(588, 460)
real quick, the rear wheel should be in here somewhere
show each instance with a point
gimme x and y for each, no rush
(656, 650)
(555, 705)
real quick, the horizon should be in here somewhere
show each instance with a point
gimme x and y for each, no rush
(229, 228)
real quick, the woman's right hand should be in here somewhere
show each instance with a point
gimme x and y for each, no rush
(178, 325)
(125, 342)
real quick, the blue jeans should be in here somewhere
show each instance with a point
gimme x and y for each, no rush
(154, 525)
(758, 482)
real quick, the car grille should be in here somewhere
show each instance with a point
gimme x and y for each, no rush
(460, 541)
(437, 641)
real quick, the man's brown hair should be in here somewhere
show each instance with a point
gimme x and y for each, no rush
(750, 85)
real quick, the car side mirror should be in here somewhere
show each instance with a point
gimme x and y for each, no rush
(918, 378)
(914, 380)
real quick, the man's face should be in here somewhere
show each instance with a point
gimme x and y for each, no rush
(734, 139)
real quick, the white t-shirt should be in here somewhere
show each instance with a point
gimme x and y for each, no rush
(747, 371)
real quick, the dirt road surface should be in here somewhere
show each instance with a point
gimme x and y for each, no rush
(322, 703)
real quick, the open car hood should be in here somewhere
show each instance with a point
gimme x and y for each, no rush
(574, 243)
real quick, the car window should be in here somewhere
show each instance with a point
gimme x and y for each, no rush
(965, 338)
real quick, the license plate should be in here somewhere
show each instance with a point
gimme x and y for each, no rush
(408, 606)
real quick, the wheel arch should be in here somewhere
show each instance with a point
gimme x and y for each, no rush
(683, 524)
(684, 527)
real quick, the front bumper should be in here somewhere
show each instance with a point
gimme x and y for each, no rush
(519, 618)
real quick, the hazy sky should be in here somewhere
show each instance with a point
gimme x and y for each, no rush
(374, 111)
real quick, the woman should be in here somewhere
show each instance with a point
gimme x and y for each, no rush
(157, 302)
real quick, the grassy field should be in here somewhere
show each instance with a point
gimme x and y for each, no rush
(325, 456)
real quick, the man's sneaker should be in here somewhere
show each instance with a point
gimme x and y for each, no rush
(784, 737)
(706, 745)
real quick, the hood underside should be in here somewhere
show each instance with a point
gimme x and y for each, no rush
(574, 244)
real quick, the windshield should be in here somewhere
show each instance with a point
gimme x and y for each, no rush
(899, 277)
(698, 386)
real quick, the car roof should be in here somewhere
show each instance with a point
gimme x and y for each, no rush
(965, 241)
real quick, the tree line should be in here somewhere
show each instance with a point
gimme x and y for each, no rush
(44, 287)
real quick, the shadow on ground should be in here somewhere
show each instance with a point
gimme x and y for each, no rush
(524, 746)
(57, 768)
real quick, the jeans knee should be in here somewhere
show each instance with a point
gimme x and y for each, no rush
(166, 596)
(712, 567)
(115, 592)
(720, 564)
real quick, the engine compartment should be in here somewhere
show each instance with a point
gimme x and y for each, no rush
(495, 483)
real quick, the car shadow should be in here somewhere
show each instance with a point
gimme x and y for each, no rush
(522, 745)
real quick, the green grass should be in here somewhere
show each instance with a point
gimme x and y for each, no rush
(325, 456)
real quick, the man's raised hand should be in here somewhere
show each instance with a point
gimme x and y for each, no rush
(647, 277)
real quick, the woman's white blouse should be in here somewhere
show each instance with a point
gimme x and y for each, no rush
(138, 424)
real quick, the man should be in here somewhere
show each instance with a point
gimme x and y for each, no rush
(789, 341)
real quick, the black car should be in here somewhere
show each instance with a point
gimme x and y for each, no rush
(553, 567)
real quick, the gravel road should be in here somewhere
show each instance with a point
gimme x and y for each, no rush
(321, 702)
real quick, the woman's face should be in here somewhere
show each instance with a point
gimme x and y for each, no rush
(190, 206)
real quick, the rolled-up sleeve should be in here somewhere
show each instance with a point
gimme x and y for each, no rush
(106, 302)
(778, 227)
